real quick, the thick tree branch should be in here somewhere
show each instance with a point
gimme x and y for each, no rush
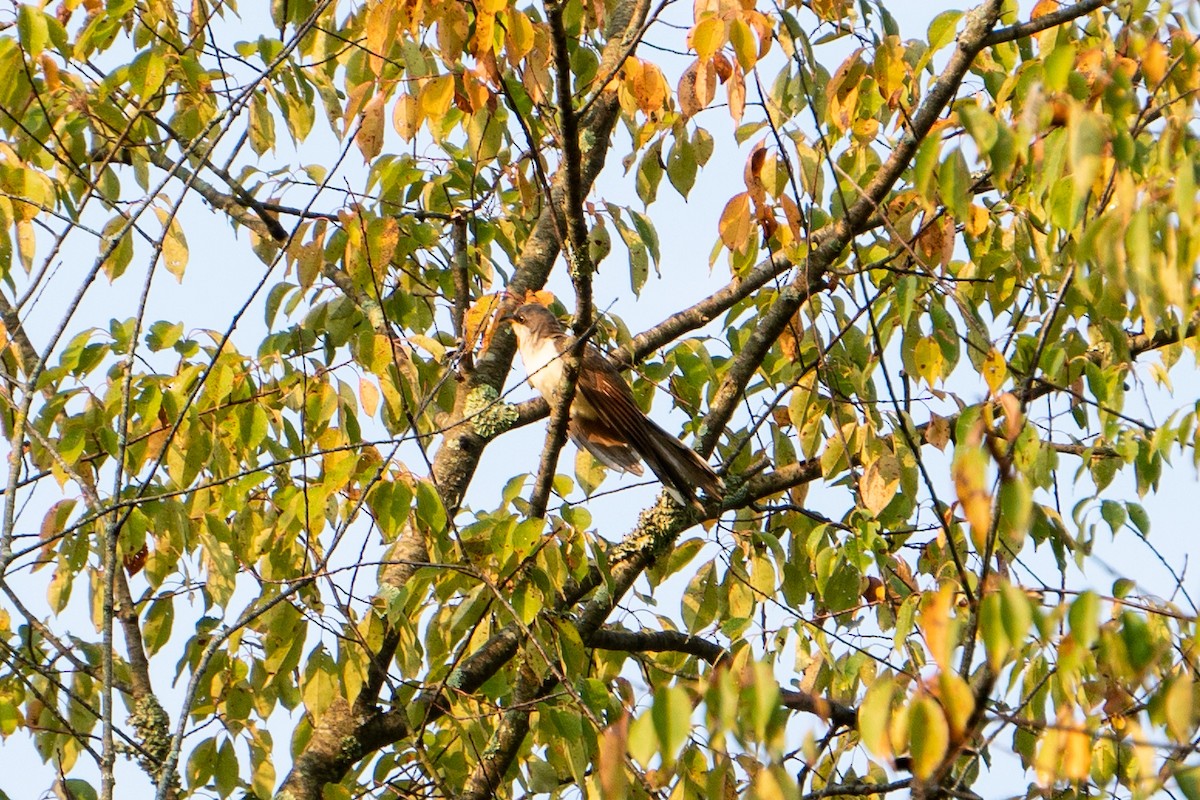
(609, 638)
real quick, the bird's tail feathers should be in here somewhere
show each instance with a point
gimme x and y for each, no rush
(678, 466)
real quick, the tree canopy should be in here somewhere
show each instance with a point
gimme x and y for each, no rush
(271, 522)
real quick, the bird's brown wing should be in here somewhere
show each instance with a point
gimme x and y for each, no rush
(595, 425)
(613, 414)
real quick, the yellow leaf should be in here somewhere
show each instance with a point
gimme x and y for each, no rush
(927, 357)
(174, 245)
(879, 483)
(957, 701)
(977, 220)
(1154, 63)
(381, 32)
(938, 624)
(736, 90)
(744, 45)
(370, 130)
(477, 318)
(175, 250)
(519, 35)
(1077, 755)
(485, 29)
(542, 296)
(436, 96)
(611, 766)
(649, 87)
(970, 475)
(26, 243)
(1044, 7)
(735, 226)
(406, 117)
(708, 37)
(873, 715)
(369, 396)
(994, 369)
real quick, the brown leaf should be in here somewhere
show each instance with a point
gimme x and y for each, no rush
(723, 66)
(752, 173)
(135, 561)
(697, 87)
(931, 242)
(793, 215)
(937, 432)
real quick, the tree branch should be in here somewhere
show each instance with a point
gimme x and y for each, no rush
(1044, 22)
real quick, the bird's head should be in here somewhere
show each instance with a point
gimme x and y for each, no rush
(533, 320)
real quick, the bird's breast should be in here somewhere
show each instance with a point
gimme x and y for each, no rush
(544, 366)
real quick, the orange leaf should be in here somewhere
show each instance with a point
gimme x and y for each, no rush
(1044, 7)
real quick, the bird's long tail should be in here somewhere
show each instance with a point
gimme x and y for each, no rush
(680, 468)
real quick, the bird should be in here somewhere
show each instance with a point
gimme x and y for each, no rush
(604, 419)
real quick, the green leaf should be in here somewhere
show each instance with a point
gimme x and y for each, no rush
(1139, 517)
(991, 629)
(429, 507)
(32, 30)
(874, 714)
(1137, 638)
(117, 250)
(928, 736)
(699, 602)
(649, 236)
(941, 29)
(1114, 514)
(1188, 779)
(1084, 617)
(1088, 138)
(954, 184)
(682, 167)
(672, 715)
(650, 172)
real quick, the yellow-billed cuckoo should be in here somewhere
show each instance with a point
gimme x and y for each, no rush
(605, 420)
